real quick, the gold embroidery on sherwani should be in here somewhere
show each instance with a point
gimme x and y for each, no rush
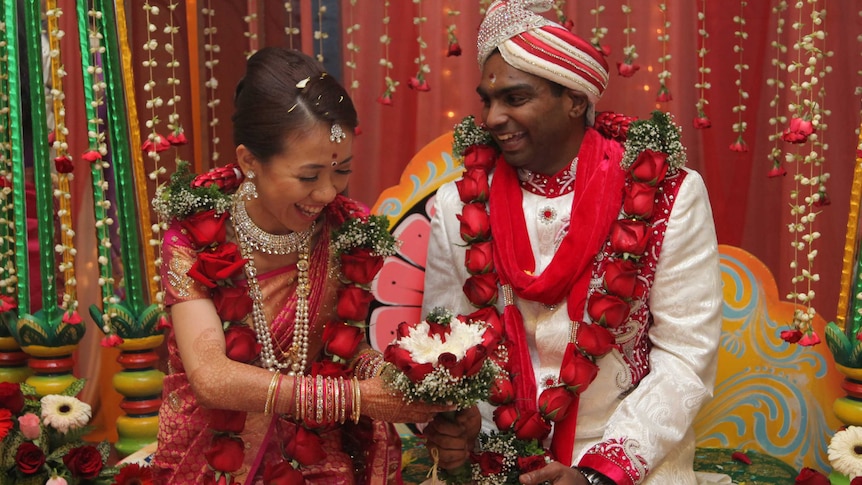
(178, 277)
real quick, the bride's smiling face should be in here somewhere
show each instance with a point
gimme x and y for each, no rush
(295, 185)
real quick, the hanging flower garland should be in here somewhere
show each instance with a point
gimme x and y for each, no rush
(252, 22)
(320, 35)
(212, 50)
(453, 48)
(63, 165)
(628, 68)
(293, 30)
(7, 226)
(742, 95)
(418, 82)
(352, 49)
(156, 142)
(701, 121)
(386, 98)
(778, 119)
(598, 31)
(664, 95)
(809, 193)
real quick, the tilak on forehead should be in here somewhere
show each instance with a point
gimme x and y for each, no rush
(533, 44)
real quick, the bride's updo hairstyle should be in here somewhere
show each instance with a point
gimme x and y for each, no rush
(282, 96)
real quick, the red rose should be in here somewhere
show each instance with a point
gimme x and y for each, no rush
(532, 426)
(577, 371)
(232, 303)
(639, 200)
(475, 223)
(360, 266)
(481, 289)
(11, 397)
(488, 315)
(282, 473)
(226, 178)
(595, 339)
(385, 99)
(328, 368)
(92, 156)
(404, 329)
(554, 403)
(84, 462)
(792, 336)
(218, 264)
(531, 463)
(155, 143)
(205, 228)
(629, 237)
(241, 343)
(341, 339)
(609, 310)
(441, 329)
(798, 131)
(739, 145)
(177, 138)
(402, 359)
(502, 391)
(505, 416)
(809, 476)
(650, 167)
(702, 122)
(29, 458)
(621, 276)
(6, 423)
(663, 95)
(353, 303)
(64, 164)
(627, 70)
(480, 157)
(453, 50)
(225, 453)
(449, 361)
(490, 463)
(303, 445)
(227, 421)
(479, 258)
(419, 84)
(474, 359)
(473, 186)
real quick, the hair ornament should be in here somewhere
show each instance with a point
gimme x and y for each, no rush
(336, 133)
(303, 83)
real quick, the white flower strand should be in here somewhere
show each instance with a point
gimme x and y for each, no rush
(291, 30)
(778, 120)
(630, 50)
(212, 50)
(320, 35)
(740, 67)
(422, 67)
(385, 39)
(598, 32)
(154, 102)
(8, 278)
(62, 181)
(702, 85)
(352, 48)
(664, 38)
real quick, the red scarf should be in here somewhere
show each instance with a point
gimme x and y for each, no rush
(599, 187)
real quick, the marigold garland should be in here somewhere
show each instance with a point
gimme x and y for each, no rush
(742, 95)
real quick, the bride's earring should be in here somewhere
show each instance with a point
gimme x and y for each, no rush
(247, 190)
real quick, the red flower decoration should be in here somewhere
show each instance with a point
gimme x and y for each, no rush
(64, 164)
(479, 258)
(627, 69)
(111, 340)
(418, 83)
(282, 473)
(505, 416)
(232, 303)
(226, 178)
(177, 138)
(739, 145)
(474, 186)
(216, 265)
(702, 122)
(798, 131)
(741, 457)
(29, 458)
(92, 156)
(554, 403)
(650, 167)
(84, 462)
(360, 265)
(71, 317)
(454, 50)
(639, 200)
(6, 422)
(663, 94)
(11, 397)
(7, 303)
(608, 310)
(502, 392)
(225, 454)
(353, 303)
(205, 228)
(475, 223)
(490, 463)
(342, 339)
(809, 339)
(776, 171)
(135, 474)
(809, 476)
(629, 237)
(481, 289)
(532, 426)
(241, 342)
(385, 99)
(157, 144)
(303, 446)
(595, 339)
(791, 336)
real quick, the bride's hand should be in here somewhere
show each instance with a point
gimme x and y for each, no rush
(384, 404)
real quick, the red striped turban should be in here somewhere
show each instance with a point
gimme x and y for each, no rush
(533, 44)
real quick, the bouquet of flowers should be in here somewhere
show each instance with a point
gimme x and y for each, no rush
(502, 457)
(42, 439)
(444, 360)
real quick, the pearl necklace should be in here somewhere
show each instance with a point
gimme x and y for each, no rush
(260, 240)
(296, 358)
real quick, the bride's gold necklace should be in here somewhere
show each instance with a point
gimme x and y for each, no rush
(296, 358)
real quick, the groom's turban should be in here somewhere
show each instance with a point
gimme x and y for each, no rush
(533, 44)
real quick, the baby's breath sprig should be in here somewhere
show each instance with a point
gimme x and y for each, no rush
(778, 119)
(178, 199)
(702, 85)
(658, 133)
(352, 48)
(664, 75)
(390, 84)
(598, 32)
(742, 95)
(467, 133)
(62, 161)
(292, 29)
(319, 35)
(211, 50)
(371, 232)
(418, 82)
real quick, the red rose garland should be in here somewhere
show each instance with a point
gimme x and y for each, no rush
(608, 308)
(219, 262)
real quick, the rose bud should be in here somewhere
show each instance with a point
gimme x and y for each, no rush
(532, 426)
(577, 371)
(480, 157)
(475, 223)
(639, 200)
(505, 416)
(205, 228)
(531, 463)
(608, 310)
(595, 339)
(481, 289)
(225, 453)
(360, 266)
(621, 276)
(554, 403)
(629, 237)
(490, 463)
(650, 167)
(502, 391)
(342, 339)
(473, 186)
(241, 343)
(479, 258)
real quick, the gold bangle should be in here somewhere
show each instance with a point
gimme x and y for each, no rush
(357, 401)
(267, 405)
